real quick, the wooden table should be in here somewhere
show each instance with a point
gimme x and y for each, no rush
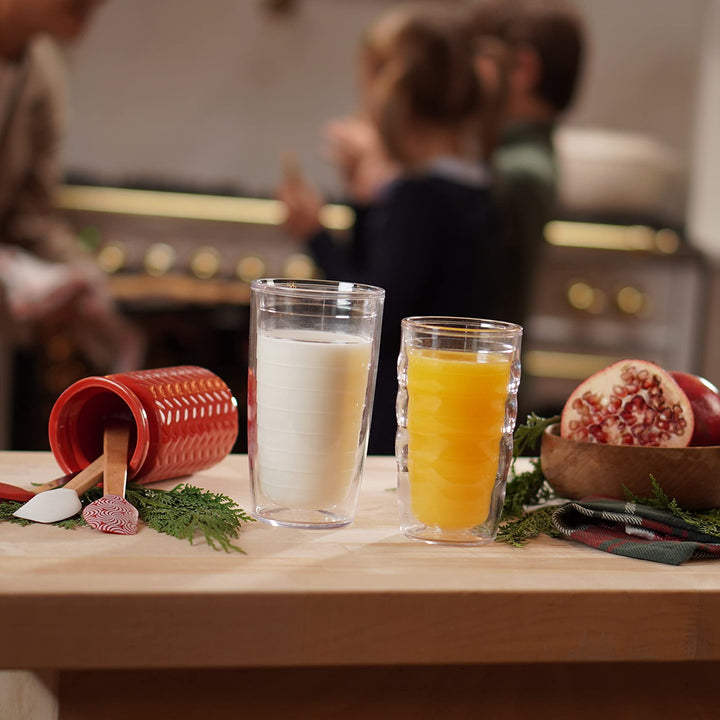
(352, 623)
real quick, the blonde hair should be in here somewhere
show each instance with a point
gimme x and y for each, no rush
(420, 66)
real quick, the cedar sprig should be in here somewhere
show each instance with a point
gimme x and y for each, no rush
(527, 488)
(517, 531)
(185, 512)
(527, 437)
(520, 522)
(706, 521)
(7, 509)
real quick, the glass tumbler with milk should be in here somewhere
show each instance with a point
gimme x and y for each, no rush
(457, 404)
(312, 367)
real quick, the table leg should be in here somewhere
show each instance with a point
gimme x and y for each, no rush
(28, 695)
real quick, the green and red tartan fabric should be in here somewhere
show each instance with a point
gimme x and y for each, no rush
(632, 530)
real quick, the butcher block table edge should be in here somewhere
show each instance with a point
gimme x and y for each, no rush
(603, 609)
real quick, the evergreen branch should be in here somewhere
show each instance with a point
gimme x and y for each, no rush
(527, 437)
(525, 489)
(519, 524)
(529, 487)
(71, 523)
(185, 512)
(7, 509)
(706, 521)
(519, 530)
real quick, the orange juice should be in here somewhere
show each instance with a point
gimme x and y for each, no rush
(456, 411)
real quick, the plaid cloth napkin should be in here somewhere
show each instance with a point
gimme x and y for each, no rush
(632, 530)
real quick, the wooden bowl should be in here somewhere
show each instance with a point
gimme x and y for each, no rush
(576, 469)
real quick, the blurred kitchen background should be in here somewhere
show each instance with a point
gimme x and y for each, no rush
(181, 110)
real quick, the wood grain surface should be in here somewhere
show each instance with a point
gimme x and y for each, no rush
(361, 595)
(576, 469)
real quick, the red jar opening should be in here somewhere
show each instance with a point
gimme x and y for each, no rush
(79, 416)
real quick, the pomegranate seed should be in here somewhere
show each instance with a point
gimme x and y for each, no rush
(630, 403)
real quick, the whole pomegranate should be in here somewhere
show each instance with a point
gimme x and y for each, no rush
(631, 402)
(705, 401)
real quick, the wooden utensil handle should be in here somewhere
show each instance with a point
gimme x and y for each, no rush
(84, 480)
(56, 483)
(115, 443)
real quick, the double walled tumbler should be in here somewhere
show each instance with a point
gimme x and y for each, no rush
(457, 388)
(183, 419)
(313, 363)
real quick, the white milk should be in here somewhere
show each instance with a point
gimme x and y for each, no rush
(311, 388)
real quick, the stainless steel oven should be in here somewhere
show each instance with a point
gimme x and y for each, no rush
(180, 266)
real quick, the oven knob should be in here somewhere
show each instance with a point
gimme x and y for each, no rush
(299, 266)
(582, 296)
(667, 241)
(111, 258)
(632, 301)
(250, 268)
(205, 263)
(159, 259)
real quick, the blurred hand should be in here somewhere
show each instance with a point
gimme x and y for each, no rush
(353, 145)
(348, 139)
(302, 206)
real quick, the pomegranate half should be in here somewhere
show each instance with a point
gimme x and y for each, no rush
(631, 402)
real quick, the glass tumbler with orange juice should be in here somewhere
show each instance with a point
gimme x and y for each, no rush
(457, 405)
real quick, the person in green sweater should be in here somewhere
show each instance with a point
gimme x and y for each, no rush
(529, 58)
(531, 52)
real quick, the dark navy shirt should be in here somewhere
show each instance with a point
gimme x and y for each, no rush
(432, 243)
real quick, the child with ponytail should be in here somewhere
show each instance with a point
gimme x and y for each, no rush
(429, 238)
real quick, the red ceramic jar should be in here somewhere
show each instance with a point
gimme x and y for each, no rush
(183, 419)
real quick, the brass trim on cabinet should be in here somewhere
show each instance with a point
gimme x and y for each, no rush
(190, 206)
(604, 236)
(564, 365)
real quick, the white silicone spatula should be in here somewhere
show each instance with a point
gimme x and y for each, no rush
(64, 502)
(112, 513)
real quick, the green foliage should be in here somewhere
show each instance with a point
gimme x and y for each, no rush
(517, 531)
(526, 513)
(528, 436)
(185, 512)
(7, 509)
(525, 489)
(707, 521)
(519, 523)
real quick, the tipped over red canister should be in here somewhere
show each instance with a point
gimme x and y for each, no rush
(183, 419)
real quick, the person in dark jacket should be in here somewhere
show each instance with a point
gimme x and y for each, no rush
(429, 236)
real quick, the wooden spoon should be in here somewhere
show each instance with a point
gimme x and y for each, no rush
(112, 513)
(49, 505)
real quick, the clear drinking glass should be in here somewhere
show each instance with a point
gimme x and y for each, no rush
(312, 368)
(456, 405)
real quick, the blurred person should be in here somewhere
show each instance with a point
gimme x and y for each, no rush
(46, 276)
(531, 52)
(429, 236)
(529, 55)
